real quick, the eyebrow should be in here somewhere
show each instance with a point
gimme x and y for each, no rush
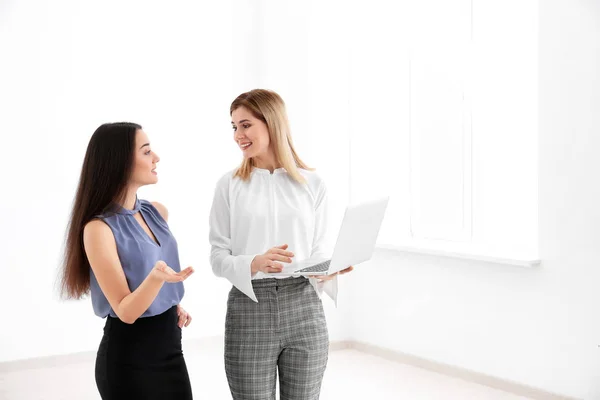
(144, 145)
(244, 120)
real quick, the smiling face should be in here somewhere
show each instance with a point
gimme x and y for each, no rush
(144, 162)
(250, 134)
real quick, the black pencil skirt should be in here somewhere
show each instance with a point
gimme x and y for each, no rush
(142, 360)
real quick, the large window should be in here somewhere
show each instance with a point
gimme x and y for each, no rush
(444, 120)
(432, 102)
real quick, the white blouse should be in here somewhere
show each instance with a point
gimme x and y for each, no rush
(248, 218)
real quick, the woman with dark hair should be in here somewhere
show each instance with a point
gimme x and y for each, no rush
(121, 250)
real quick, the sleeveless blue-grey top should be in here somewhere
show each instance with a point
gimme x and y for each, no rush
(138, 254)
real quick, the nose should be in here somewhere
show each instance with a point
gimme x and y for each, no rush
(239, 134)
(156, 158)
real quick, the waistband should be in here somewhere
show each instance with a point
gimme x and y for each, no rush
(166, 317)
(277, 283)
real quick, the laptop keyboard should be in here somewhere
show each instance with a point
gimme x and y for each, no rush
(324, 266)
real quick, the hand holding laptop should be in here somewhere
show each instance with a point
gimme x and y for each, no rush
(329, 277)
(355, 243)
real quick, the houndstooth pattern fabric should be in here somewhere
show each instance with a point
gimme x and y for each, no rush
(285, 333)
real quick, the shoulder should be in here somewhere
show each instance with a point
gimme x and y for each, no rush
(314, 181)
(227, 177)
(97, 231)
(154, 207)
(162, 209)
(225, 181)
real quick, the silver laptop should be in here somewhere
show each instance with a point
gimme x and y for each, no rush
(355, 243)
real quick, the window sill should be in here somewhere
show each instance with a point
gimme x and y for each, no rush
(463, 252)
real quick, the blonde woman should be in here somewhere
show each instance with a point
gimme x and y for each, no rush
(266, 212)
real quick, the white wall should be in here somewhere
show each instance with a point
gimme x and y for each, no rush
(68, 67)
(534, 326)
(175, 70)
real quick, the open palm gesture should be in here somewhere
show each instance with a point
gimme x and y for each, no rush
(166, 274)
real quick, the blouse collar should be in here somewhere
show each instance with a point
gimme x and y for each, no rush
(125, 211)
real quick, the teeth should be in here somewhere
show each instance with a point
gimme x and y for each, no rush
(246, 145)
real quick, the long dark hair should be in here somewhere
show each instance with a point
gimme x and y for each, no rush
(103, 182)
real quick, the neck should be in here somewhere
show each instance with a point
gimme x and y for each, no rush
(267, 161)
(129, 200)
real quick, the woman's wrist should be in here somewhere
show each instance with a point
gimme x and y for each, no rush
(253, 268)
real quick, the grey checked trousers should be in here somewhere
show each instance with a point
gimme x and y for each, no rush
(285, 333)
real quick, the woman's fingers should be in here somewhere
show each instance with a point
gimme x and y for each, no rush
(174, 277)
(325, 277)
(274, 268)
(187, 272)
(184, 320)
(280, 252)
(277, 257)
(330, 277)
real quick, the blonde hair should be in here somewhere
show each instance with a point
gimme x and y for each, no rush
(269, 107)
